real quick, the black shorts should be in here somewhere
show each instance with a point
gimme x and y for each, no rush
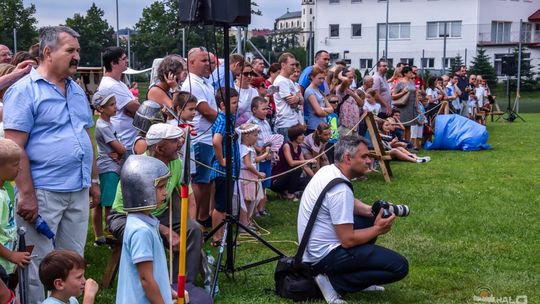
(220, 198)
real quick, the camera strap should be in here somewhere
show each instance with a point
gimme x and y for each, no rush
(313, 217)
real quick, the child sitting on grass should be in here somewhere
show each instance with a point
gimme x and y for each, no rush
(109, 169)
(62, 273)
(143, 275)
(10, 155)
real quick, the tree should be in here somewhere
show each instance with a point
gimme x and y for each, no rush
(482, 66)
(528, 81)
(159, 32)
(96, 34)
(13, 15)
(456, 63)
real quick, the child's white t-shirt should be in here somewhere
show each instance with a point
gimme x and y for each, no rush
(244, 150)
(373, 108)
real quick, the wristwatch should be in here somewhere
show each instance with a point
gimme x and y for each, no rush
(95, 181)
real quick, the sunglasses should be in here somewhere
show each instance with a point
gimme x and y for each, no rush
(333, 101)
(247, 74)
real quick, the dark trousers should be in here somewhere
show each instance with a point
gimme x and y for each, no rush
(290, 182)
(354, 269)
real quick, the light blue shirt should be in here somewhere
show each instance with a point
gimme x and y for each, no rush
(218, 78)
(51, 300)
(142, 243)
(304, 81)
(58, 147)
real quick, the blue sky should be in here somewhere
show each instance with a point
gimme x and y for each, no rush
(54, 12)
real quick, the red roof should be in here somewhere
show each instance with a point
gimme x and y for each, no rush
(535, 17)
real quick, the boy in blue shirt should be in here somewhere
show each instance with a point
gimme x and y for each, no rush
(62, 273)
(219, 133)
(143, 275)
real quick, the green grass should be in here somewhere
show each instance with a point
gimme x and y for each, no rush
(474, 223)
(529, 101)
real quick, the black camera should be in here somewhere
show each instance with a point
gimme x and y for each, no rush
(388, 209)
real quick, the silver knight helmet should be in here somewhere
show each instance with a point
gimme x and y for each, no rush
(148, 114)
(139, 177)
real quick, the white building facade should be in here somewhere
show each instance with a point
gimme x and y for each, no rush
(355, 30)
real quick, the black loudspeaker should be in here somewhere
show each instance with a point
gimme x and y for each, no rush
(508, 65)
(218, 12)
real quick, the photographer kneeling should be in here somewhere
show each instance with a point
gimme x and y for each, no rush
(342, 248)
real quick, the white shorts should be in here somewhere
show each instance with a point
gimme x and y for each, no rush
(417, 131)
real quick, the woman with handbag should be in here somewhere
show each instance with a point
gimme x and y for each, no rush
(404, 98)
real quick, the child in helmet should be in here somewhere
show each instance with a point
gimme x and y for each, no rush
(143, 275)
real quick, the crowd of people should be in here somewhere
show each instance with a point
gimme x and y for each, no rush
(289, 122)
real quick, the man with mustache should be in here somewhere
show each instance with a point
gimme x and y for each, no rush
(48, 116)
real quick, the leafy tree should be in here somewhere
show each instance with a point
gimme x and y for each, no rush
(481, 66)
(528, 81)
(159, 32)
(456, 63)
(96, 34)
(13, 15)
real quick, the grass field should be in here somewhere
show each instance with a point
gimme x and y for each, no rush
(474, 224)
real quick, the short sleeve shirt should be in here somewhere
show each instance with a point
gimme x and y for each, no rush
(264, 127)
(204, 92)
(121, 122)
(285, 115)
(337, 208)
(58, 146)
(380, 84)
(105, 134)
(52, 300)
(312, 119)
(142, 243)
(8, 228)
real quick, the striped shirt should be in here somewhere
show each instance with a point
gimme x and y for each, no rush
(264, 127)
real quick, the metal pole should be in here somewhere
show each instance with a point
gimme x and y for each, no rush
(386, 40)
(423, 61)
(14, 40)
(184, 42)
(518, 84)
(117, 26)
(129, 54)
(238, 40)
(444, 47)
(465, 59)
(377, 59)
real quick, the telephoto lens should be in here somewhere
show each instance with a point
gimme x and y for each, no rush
(388, 209)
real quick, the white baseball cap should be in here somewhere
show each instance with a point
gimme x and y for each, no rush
(161, 131)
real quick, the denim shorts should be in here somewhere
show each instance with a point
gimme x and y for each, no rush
(203, 153)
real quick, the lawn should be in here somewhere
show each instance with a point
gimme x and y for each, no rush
(473, 225)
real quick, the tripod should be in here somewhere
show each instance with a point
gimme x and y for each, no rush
(231, 220)
(509, 115)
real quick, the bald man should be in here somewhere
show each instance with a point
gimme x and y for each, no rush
(200, 87)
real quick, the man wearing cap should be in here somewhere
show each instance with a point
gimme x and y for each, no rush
(164, 141)
(47, 114)
(116, 62)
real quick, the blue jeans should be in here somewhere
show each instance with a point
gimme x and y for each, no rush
(354, 269)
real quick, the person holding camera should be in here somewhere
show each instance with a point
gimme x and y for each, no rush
(342, 249)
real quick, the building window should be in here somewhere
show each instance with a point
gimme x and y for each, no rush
(408, 61)
(390, 62)
(287, 24)
(334, 30)
(334, 1)
(356, 30)
(395, 30)
(500, 31)
(436, 29)
(297, 23)
(526, 32)
(334, 56)
(366, 63)
(428, 62)
(448, 62)
(311, 11)
(356, 1)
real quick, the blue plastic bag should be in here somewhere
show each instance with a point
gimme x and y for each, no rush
(455, 132)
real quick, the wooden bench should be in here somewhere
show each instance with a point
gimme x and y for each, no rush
(495, 111)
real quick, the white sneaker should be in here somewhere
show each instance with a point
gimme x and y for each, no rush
(374, 288)
(329, 293)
